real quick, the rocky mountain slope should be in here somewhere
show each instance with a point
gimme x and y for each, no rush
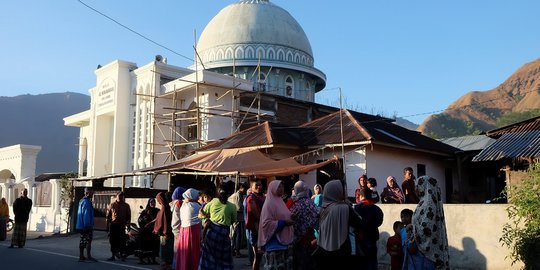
(479, 111)
(38, 120)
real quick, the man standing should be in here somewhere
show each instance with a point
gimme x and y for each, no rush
(408, 186)
(254, 204)
(85, 225)
(21, 209)
(238, 229)
(118, 218)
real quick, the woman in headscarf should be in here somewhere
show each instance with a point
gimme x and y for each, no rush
(150, 241)
(392, 192)
(276, 232)
(362, 183)
(162, 227)
(216, 249)
(175, 209)
(427, 242)
(188, 247)
(334, 246)
(304, 215)
(176, 204)
(4, 217)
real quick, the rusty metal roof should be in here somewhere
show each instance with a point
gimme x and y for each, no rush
(512, 145)
(357, 128)
(526, 125)
(264, 134)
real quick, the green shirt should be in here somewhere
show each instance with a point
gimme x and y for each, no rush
(224, 214)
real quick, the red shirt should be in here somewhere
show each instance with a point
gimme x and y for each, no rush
(393, 247)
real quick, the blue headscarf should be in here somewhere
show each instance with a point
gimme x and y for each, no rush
(177, 194)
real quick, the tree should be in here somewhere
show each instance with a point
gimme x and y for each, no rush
(67, 194)
(522, 233)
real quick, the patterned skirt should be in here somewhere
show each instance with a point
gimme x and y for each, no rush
(18, 238)
(278, 260)
(216, 250)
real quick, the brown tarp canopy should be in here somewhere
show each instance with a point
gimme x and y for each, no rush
(246, 162)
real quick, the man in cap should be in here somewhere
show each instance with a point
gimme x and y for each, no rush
(85, 225)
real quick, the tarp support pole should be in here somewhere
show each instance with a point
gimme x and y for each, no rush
(123, 183)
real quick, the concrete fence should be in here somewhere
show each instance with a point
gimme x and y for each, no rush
(473, 232)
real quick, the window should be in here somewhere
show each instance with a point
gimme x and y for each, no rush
(262, 83)
(289, 86)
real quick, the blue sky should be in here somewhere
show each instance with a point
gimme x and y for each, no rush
(388, 57)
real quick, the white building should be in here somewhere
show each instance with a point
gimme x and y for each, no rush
(146, 116)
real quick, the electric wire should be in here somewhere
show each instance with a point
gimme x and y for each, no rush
(133, 31)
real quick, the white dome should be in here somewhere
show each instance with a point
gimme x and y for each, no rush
(253, 32)
(254, 22)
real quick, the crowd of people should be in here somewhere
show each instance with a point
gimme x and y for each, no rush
(305, 229)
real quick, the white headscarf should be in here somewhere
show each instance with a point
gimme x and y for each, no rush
(429, 226)
(190, 209)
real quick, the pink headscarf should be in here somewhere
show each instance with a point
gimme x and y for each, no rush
(273, 210)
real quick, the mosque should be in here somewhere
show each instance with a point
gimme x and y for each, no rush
(255, 64)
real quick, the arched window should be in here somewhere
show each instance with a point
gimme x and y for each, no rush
(219, 55)
(271, 55)
(249, 53)
(229, 54)
(281, 55)
(260, 53)
(239, 53)
(289, 86)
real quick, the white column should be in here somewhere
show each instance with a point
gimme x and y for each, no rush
(55, 196)
(4, 187)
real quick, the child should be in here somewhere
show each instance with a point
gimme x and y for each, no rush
(393, 247)
(372, 185)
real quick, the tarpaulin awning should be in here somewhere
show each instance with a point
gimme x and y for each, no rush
(247, 162)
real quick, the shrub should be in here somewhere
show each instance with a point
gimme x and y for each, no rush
(522, 233)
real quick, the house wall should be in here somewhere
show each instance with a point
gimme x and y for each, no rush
(473, 233)
(381, 161)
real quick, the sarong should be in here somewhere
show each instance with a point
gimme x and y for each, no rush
(18, 238)
(216, 250)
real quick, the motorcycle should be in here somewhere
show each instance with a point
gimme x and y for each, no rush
(133, 243)
(9, 225)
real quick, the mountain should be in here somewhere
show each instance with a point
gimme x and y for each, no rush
(38, 120)
(516, 99)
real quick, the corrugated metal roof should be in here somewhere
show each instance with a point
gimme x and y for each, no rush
(512, 145)
(469, 143)
(526, 125)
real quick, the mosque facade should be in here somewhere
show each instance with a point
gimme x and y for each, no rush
(251, 54)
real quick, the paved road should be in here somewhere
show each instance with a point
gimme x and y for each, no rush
(48, 251)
